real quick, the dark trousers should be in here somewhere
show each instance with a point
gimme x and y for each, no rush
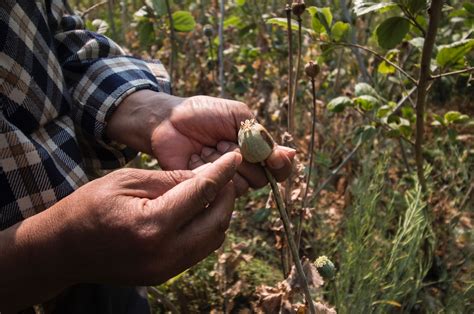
(102, 299)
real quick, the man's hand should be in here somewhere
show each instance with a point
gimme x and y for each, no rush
(136, 227)
(183, 133)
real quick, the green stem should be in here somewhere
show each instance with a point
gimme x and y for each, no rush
(291, 241)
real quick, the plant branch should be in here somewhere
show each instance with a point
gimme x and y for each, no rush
(298, 65)
(291, 242)
(376, 54)
(360, 60)
(434, 77)
(435, 15)
(172, 39)
(412, 20)
(221, 47)
(92, 8)
(338, 168)
(299, 228)
(291, 126)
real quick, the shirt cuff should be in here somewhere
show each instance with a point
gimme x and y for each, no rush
(106, 83)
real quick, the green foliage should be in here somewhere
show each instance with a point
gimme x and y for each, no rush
(339, 103)
(321, 19)
(454, 53)
(362, 7)
(392, 31)
(370, 280)
(183, 21)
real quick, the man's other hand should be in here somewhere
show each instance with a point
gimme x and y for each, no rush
(183, 133)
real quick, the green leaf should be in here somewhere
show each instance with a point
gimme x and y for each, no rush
(452, 54)
(339, 30)
(365, 133)
(392, 31)
(321, 19)
(233, 20)
(383, 111)
(438, 120)
(455, 117)
(365, 89)
(415, 6)
(280, 21)
(366, 102)
(240, 2)
(469, 7)
(385, 67)
(160, 7)
(339, 103)
(362, 7)
(146, 33)
(183, 21)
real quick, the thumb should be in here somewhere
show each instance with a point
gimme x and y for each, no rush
(189, 198)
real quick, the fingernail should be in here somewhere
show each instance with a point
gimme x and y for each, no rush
(223, 146)
(207, 151)
(195, 158)
(276, 162)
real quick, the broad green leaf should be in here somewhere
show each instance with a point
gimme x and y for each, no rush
(449, 55)
(339, 103)
(365, 133)
(362, 7)
(392, 31)
(321, 20)
(455, 117)
(280, 21)
(365, 89)
(160, 7)
(383, 111)
(339, 30)
(240, 2)
(146, 33)
(385, 67)
(415, 6)
(366, 102)
(232, 20)
(183, 21)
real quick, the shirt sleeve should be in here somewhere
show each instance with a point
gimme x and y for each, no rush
(98, 76)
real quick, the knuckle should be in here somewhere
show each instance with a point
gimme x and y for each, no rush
(207, 190)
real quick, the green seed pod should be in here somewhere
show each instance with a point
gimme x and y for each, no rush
(255, 142)
(325, 267)
(208, 30)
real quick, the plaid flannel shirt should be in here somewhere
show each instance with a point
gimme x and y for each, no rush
(59, 83)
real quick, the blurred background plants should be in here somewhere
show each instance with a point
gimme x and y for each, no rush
(398, 244)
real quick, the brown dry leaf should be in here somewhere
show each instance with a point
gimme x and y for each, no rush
(323, 308)
(312, 276)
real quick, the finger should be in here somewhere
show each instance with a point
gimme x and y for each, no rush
(241, 185)
(252, 173)
(206, 232)
(280, 162)
(148, 183)
(195, 162)
(189, 198)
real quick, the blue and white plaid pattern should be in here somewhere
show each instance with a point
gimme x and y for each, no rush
(59, 84)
